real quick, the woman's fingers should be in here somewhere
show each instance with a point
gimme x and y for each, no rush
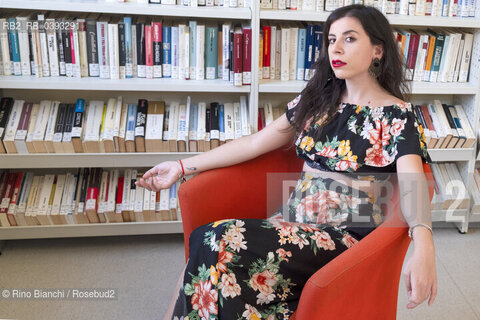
(433, 294)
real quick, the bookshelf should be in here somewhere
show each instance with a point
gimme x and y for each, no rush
(260, 91)
(89, 160)
(129, 8)
(134, 84)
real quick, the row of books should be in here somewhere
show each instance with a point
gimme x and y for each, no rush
(116, 126)
(442, 55)
(288, 52)
(94, 45)
(108, 196)
(195, 3)
(445, 125)
(438, 8)
(86, 196)
(449, 189)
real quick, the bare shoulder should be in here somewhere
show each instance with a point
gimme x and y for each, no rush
(390, 100)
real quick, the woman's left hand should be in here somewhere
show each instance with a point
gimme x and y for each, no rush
(420, 275)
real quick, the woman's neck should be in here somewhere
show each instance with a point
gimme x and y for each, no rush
(364, 90)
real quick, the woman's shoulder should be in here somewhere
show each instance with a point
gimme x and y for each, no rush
(391, 101)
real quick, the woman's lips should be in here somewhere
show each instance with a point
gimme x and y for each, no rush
(338, 63)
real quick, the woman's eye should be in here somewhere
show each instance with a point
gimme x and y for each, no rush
(331, 41)
(350, 39)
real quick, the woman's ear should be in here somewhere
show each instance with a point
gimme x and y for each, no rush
(378, 51)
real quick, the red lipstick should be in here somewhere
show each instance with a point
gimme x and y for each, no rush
(338, 63)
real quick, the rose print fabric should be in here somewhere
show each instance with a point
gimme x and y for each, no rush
(256, 269)
(361, 138)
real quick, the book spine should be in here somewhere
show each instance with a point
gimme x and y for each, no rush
(127, 21)
(74, 40)
(103, 56)
(122, 54)
(412, 56)
(200, 53)
(114, 59)
(174, 51)
(167, 62)
(14, 47)
(285, 55)
(247, 56)
(92, 48)
(183, 52)
(302, 33)
(211, 53)
(226, 51)
(266, 52)
(82, 47)
(148, 52)
(192, 46)
(23, 43)
(78, 118)
(141, 66)
(237, 57)
(142, 110)
(157, 49)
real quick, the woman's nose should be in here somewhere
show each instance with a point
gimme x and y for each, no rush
(337, 47)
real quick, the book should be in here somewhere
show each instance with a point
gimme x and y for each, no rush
(78, 125)
(6, 105)
(214, 125)
(154, 126)
(12, 125)
(142, 111)
(211, 52)
(58, 129)
(246, 55)
(130, 128)
(31, 128)
(22, 129)
(93, 122)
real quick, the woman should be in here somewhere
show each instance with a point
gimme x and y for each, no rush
(350, 119)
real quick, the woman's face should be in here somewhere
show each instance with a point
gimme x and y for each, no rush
(350, 50)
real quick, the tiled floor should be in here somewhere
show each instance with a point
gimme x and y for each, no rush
(144, 269)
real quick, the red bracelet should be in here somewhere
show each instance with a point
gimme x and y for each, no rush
(183, 171)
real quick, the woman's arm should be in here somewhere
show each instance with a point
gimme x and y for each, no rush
(273, 136)
(420, 271)
(240, 150)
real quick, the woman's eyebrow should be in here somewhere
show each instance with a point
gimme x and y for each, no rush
(348, 31)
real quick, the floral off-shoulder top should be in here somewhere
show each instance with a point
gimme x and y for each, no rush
(361, 138)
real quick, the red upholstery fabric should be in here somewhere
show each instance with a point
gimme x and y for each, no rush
(361, 283)
(236, 192)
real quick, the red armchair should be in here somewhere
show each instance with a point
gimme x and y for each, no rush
(366, 275)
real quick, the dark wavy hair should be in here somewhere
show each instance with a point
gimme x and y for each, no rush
(322, 94)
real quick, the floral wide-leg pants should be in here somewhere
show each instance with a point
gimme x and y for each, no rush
(256, 269)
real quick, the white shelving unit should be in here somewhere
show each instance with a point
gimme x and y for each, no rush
(394, 19)
(466, 94)
(129, 8)
(87, 88)
(134, 84)
(89, 160)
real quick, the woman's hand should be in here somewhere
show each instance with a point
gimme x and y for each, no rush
(420, 275)
(162, 176)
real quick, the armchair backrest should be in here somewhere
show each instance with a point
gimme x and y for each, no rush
(238, 191)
